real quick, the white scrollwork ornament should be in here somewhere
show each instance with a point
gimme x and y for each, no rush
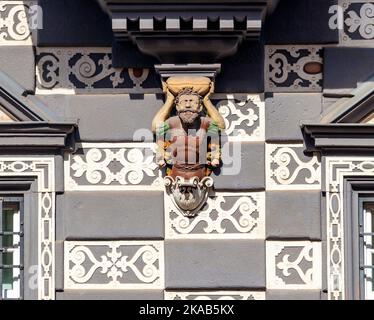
(19, 31)
(95, 166)
(278, 61)
(149, 256)
(285, 168)
(287, 68)
(214, 295)
(86, 70)
(364, 22)
(243, 117)
(285, 265)
(245, 216)
(118, 264)
(283, 159)
(47, 70)
(293, 265)
(14, 25)
(136, 79)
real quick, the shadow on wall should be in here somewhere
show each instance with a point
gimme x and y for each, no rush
(345, 68)
(300, 22)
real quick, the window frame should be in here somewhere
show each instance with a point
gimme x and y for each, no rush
(357, 192)
(4, 200)
(27, 187)
(363, 258)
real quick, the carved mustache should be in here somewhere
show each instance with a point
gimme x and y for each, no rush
(188, 110)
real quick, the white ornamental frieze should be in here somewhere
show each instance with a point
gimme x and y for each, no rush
(17, 21)
(224, 216)
(288, 168)
(244, 116)
(293, 265)
(358, 23)
(114, 265)
(214, 295)
(293, 68)
(113, 167)
(86, 70)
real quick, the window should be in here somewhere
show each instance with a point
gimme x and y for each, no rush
(366, 250)
(11, 247)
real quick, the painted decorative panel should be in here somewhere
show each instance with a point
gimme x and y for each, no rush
(113, 265)
(293, 265)
(243, 115)
(293, 68)
(214, 295)
(18, 19)
(113, 166)
(287, 168)
(358, 23)
(224, 216)
(87, 70)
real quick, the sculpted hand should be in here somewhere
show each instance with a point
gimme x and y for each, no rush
(161, 163)
(211, 90)
(215, 163)
(169, 96)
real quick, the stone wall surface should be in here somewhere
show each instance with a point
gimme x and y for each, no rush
(264, 94)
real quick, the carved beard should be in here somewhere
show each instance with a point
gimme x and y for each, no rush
(188, 117)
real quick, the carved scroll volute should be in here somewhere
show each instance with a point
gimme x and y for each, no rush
(188, 143)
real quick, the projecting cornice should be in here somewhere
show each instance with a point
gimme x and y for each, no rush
(33, 125)
(188, 31)
(37, 135)
(346, 125)
(338, 136)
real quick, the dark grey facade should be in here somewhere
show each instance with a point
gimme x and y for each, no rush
(294, 84)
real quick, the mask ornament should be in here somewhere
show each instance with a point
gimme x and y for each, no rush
(189, 141)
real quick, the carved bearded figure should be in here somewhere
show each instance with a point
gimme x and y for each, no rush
(188, 145)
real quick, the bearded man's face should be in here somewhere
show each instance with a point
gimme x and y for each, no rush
(188, 108)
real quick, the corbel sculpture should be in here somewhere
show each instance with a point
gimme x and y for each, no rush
(188, 142)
